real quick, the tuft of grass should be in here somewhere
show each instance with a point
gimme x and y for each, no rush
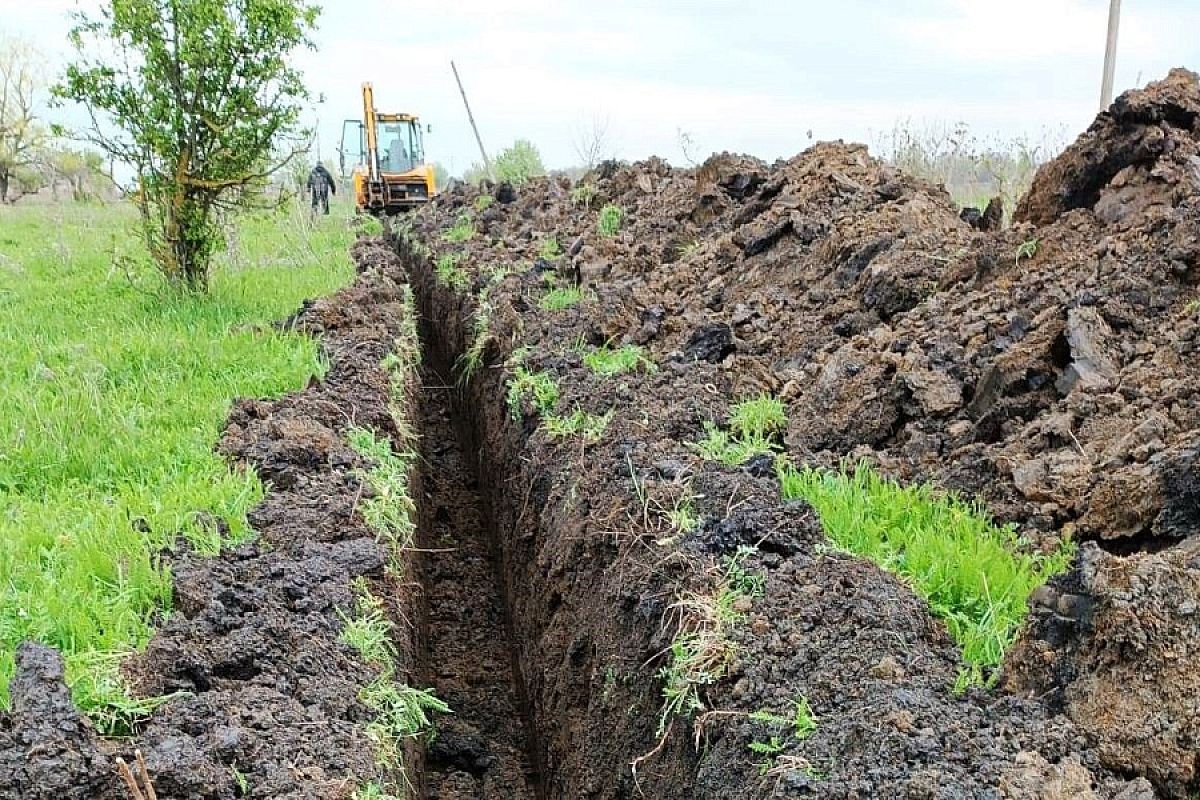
(755, 426)
(462, 230)
(583, 195)
(682, 515)
(589, 427)
(484, 202)
(450, 274)
(802, 725)
(611, 217)
(1027, 249)
(240, 779)
(970, 571)
(561, 297)
(113, 392)
(374, 791)
(538, 387)
(549, 249)
(369, 631)
(608, 362)
(400, 711)
(702, 649)
(390, 512)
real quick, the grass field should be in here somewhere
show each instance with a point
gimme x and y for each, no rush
(113, 389)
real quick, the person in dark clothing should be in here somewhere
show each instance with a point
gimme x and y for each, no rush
(321, 184)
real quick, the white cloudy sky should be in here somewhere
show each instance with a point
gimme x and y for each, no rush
(742, 75)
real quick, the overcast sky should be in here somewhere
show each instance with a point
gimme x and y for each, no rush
(743, 75)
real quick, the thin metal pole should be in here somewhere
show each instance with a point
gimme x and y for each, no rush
(487, 162)
(1110, 53)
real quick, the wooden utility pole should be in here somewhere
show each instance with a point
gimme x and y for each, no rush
(1110, 53)
(487, 162)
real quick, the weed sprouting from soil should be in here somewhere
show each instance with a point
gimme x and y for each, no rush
(583, 195)
(677, 510)
(801, 725)
(390, 512)
(971, 572)
(549, 249)
(611, 217)
(369, 226)
(754, 428)
(240, 779)
(373, 791)
(99, 688)
(449, 274)
(608, 362)
(1027, 249)
(702, 649)
(484, 202)
(462, 230)
(369, 631)
(471, 360)
(561, 297)
(539, 388)
(590, 427)
(401, 712)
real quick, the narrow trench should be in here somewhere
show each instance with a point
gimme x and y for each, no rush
(482, 749)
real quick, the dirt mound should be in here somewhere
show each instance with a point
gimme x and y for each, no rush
(269, 701)
(1139, 158)
(1045, 370)
(47, 749)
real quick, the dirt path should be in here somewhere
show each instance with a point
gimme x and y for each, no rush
(480, 750)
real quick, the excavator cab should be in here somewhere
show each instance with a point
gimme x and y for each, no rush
(389, 172)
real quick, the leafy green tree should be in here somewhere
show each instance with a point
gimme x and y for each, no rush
(22, 136)
(197, 95)
(518, 163)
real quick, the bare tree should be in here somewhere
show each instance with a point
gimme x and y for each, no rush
(21, 135)
(591, 143)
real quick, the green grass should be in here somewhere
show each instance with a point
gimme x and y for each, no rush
(755, 426)
(802, 725)
(113, 390)
(390, 512)
(450, 274)
(587, 426)
(702, 649)
(609, 362)
(583, 195)
(549, 249)
(462, 230)
(399, 711)
(970, 571)
(539, 388)
(484, 202)
(611, 217)
(561, 297)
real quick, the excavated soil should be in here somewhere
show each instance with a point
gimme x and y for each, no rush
(1043, 370)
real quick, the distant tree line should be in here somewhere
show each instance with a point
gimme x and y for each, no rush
(33, 154)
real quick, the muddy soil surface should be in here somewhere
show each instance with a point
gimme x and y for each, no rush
(481, 751)
(1044, 370)
(270, 705)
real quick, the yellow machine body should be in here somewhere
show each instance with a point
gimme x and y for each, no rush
(389, 173)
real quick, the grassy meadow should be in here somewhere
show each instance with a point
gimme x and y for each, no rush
(113, 389)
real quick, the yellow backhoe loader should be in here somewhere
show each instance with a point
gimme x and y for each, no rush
(389, 172)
